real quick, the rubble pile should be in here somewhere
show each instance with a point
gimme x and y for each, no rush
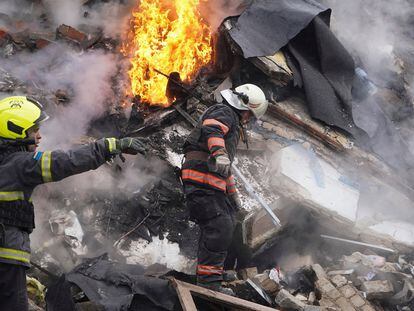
(356, 282)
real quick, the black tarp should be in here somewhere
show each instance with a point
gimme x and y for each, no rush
(268, 25)
(320, 63)
(117, 286)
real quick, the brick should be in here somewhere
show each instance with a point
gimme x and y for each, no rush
(348, 291)
(339, 280)
(71, 33)
(320, 273)
(357, 301)
(344, 304)
(41, 43)
(324, 285)
(326, 303)
(367, 308)
(266, 283)
(248, 273)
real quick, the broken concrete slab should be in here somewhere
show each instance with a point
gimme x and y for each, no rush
(306, 178)
(380, 290)
(286, 300)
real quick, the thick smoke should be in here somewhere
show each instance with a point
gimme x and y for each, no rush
(377, 33)
(215, 11)
(380, 36)
(88, 78)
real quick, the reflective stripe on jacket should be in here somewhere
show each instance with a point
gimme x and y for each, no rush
(217, 132)
(20, 173)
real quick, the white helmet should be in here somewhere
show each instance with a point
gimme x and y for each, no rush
(247, 97)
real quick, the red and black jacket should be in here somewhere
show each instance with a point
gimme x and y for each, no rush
(217, 131)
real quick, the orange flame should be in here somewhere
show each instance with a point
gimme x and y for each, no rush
(168, 36)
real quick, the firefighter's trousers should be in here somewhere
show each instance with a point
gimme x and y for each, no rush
(13, 290)
(215, 216)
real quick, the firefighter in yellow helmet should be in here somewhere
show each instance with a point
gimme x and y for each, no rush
(22, 168)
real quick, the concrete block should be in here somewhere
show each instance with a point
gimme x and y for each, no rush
(378, 289)
(319, 271)
(285, 300)
(327, 288)
(248, 273)
(367, 308)
(312, 298)
(357, 301)
(326, 303)
(259, 228)
(348, 291)
(267, 284)
(339, 280)
(344, 304)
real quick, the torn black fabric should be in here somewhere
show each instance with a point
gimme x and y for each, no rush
(327, 74)
(59, 296)
(115, 286)
(268, 25)
(319, 62)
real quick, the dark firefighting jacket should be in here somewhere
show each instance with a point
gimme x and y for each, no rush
(20, 173)
(217, 131)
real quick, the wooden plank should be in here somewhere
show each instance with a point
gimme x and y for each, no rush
(184, 295)
(292, 114)
(219, 298)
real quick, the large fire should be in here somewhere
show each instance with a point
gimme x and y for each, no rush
(169, 36)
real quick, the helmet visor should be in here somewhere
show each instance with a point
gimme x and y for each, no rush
(43, 115)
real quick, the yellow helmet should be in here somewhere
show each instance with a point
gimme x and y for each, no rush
(18, 114)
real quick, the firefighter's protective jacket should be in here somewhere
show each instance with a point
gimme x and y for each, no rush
(218, 130)
(20, 173)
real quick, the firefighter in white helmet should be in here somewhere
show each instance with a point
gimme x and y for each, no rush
(209, 186)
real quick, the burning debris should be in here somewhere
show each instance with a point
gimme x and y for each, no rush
(325, 179)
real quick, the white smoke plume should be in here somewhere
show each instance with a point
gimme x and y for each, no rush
(375, 31)
(88, 77)
(215, 11)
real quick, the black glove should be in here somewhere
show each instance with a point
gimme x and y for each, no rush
(132, 145)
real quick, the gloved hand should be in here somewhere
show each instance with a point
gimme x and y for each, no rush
(132, 145)
(220, 164)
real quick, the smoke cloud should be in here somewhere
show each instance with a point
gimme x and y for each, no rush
(215, 11)
(89, 79)
(376, 32)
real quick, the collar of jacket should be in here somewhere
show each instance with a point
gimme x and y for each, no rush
(7, 150)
